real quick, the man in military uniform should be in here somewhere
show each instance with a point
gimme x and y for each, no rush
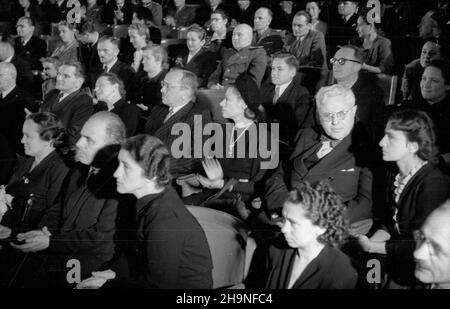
(243, 58)
(263, 35)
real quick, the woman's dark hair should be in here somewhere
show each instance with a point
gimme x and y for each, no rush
(152, 156)
(143, 13)
(419, 128)
(50, 128)
(324, 208)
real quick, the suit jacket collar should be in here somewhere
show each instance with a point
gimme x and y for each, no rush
(10, 94)
(118, 106)
(67, 99)
(411, 183)
(310, 270)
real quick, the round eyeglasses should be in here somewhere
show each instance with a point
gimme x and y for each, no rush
(339, 115)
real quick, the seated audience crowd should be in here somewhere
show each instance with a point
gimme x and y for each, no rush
(288, 115)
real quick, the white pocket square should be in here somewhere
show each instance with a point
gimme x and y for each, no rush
(349, 170)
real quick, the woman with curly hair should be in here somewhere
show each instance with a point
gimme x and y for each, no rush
(413, 193)
(313, 226)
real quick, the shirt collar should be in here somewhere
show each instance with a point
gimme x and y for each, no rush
(9, 59)
(177, 108)
(283, 87)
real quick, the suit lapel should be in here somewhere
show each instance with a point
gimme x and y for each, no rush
(167, 126)
(65, 102)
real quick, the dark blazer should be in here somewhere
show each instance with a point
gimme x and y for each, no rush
(121, 69)
(7, 160)
(12, 117)
(202, 64)
(344, 168)
(73, 111)
(270, 40)
(293, 110)
(172, 251)
(163, 130)
(34, 191)
(32, 52)
(129, 113)
(342, 32)
(428, 189)
(331, 269)
(370, 102)
(82, 222)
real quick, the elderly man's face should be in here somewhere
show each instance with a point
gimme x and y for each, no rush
(262, 20)
(432, 85)
(336, 116)
(241, 37)
(173, 92)
(107, 52)
(430, 51)
(93, 137)
(432, 252)
(349, 69)
(300, 26)
(66, 80)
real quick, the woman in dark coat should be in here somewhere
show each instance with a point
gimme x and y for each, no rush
(417, 189)
(171, 249)
(313, 226)
(37, 177)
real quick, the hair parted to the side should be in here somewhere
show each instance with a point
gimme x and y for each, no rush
(114, 126)
(324, 208)
(152, 156)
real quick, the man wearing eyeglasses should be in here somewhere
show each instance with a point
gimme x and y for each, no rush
(432, 252)
(347, 63)
(334, 152)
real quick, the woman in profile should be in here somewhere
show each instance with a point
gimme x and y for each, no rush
(313, 225)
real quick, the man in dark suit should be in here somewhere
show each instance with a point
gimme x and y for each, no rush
(81, 225)
(263, 36)
(178, 95)
(13, 101)
(71, 105)
(108, 50)
(344, 28)
(23, 68)
(286, 101)
(27, 46)
(309, 47)
(88, 48)
(329, 152)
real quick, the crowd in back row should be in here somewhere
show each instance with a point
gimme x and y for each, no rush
(341, 135)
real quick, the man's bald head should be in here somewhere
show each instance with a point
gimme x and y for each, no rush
(8, 75)
(262, 19)
(242, 36)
